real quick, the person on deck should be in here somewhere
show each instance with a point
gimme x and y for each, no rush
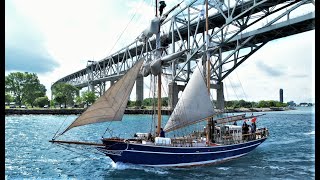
(253, 124)
(245, 129)
(162, 133)
(253, 127)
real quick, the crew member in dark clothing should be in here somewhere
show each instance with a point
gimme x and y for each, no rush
(245, 129)
(162, 133)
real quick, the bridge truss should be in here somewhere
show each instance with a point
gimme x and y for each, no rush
(237, 29)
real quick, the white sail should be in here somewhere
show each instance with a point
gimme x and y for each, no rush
(193, 105)
(111, 105)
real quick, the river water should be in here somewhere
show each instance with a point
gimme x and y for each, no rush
(289, 152)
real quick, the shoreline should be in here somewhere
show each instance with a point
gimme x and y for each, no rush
(129, 111)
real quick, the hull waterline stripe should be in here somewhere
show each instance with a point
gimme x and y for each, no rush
(195, 163)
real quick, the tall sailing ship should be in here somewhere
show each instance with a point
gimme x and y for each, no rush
(219, 141)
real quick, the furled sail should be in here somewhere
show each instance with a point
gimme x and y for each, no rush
(111, 105)
(194, 104)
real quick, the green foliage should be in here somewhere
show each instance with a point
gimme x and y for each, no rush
(270, 103)
(79, 101)
(138, 103)
(25, 87)
(9, 98)
(151, 101)
(147, 102)
(239, 104)
(88, 97)
(164, 101)
(64, 93)
(280, 104)
(260, 104)
(52, 103)
(41, 101)
(130, 103)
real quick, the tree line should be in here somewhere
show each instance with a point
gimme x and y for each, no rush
(246, 104)
(25, 88)
(148, 102)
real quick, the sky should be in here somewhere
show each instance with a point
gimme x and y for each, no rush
(56, 38)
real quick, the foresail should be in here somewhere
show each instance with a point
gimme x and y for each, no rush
(111, 105)
(193, 105)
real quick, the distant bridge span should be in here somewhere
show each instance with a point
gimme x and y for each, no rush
(229, 33)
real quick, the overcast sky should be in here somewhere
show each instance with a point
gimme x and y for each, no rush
(56, 38)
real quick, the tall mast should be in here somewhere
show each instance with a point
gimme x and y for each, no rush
(209, 124)
(159, 76)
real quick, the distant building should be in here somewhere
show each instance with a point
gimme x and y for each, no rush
(281, 95)
(304, 104)
(291, 103)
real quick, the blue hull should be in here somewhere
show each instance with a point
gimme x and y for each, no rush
(165, 156)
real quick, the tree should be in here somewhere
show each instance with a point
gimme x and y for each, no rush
(14, 83)
(52, 103)
(60, 98)
(79, 101)
(147, 102)
(130, 103)
(164, 101)
(33, 89)
(88, 97)
(64, 93)
(41, 101)
(25, 87)
(9, 98)
(138, 103)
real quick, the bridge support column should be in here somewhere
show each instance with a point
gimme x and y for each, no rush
(173, 95)
(220, 96)
(91, 87)
(102, 88)
(174, 90)
(139, 88)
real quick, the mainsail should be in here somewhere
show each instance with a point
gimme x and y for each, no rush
(112, 104)
(194, 104)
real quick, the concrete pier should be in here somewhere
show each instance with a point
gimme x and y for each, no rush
(174, 90)
(139, 88)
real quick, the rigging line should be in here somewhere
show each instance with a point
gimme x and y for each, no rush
(242, 87)
(55, 135)
(109, 124)
(81, 154)
(150, 91)
(225, 88)
(233, 88)
(135, 13)
(68, 147)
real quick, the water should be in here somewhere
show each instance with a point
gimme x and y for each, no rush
(289, 153)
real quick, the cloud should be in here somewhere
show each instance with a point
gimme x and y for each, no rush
(23, 59)
(24, 45)
(268, 70)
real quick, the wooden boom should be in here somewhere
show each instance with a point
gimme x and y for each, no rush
(77, 142)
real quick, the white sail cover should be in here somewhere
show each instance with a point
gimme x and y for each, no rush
(112, 104)
(193, 105)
